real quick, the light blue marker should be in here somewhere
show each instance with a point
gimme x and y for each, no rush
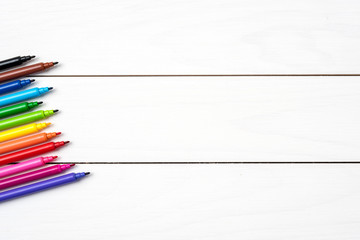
(23, 95)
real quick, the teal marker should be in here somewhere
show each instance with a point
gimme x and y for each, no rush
(23, 95)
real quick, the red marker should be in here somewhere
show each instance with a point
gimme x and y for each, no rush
(30, 152)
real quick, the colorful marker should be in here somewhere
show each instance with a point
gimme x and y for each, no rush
(22, 131)
(32, 176)
(23, 95)
(17, 108)
(30, 152)
(11, 62)
(27, 141)
(20, 72)
(24, 166)
(36, 187)
(26, 118)
(14, 85)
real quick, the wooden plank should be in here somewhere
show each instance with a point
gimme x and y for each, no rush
(185, 37)
(206, 119)
(197, 202)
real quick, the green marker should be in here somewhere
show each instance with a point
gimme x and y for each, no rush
(18, 108)
(25, 118)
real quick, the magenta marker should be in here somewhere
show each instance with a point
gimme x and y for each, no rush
(32, 176)
(24, 166)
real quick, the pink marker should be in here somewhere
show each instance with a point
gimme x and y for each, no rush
(24, 166)
(34, 175)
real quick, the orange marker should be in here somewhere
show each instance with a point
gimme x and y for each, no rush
(26, 142)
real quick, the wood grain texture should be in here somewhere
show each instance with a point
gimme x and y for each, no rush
(205, 119)
(193, 202)
(185, 37)
(195, 119)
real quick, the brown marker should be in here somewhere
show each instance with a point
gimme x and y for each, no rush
(20, 72)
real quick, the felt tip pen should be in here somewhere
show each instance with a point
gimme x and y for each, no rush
(43, 185)
(23, 95)
(14, 85)
(18, 108)
(27, 141)
(23, 71)
(31, 152)
(34, 175)
(25, 119)
(24, 166)
(22, 131)
(15, 61)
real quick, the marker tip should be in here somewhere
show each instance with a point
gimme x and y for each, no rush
(40, 102)
(58, 133)
(87, 173)
(32, 80)
(55, 157)
(55, 63)
(66, 142)
(32, 56)
(50, 88)
(56, 110)
(73, 164)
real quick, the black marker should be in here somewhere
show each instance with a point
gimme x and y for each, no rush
(11, 62)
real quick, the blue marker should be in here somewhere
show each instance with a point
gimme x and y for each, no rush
(23, 95)
(14, 85)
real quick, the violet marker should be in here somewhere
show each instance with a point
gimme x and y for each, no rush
(36, 187)
(34, 175)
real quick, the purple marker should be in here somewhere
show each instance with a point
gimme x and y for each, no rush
(36, 187)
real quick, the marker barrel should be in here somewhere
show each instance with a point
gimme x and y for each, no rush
(22, 96)
(32, 176)
(17, 109)
(12, 62)
(20, 72)
(30, 152)
(24, 119)
(27, 141)
(22, 131)
(36, 187)
(24, 166)
(14, 85)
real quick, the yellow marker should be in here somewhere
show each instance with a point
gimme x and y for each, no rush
(22, 131)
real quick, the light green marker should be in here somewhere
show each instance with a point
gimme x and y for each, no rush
(25, 118)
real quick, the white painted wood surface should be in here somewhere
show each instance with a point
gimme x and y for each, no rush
(185, 37)
(194, 119)
(193, 202)
(206, 119)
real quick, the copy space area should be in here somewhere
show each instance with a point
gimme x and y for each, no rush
(206, 119)
(194, 201)
(185, 37)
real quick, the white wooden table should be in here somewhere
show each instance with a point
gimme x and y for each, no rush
(197, 119)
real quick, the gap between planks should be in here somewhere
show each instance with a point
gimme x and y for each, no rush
(194, 163)
(210, 75)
